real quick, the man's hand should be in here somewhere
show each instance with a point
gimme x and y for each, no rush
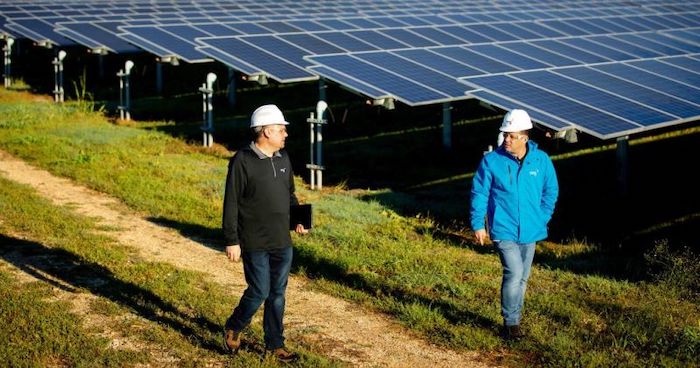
(233, 252)
(300, 229)
(480, 236)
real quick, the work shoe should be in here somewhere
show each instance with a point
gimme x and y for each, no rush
(513, 332)
(284, 355)
(232, 341)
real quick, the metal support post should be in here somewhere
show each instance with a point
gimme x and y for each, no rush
(159, 78)
(231, 87)
(124, 93)
(58, 91)
(8, 61)
(321, 91)
(207, 90)
(315, 145)
(447, 126)
(622, 165)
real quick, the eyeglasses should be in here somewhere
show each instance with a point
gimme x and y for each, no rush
(278, 130)
(514, 136)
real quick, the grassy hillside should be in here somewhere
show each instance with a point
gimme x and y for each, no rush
(372, 247)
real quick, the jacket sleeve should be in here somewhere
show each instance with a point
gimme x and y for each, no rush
(481, 188)
(550, 191)
(235, 184)
(293, 201)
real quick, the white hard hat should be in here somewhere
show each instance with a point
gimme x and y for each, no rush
(516, 120)
(267, 115)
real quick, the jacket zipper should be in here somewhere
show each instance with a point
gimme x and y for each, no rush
(274, 171)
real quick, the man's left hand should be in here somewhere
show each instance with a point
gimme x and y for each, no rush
(301, 230)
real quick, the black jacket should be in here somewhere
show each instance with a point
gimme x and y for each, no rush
(259, 192)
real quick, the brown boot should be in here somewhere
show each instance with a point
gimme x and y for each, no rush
(232, 341)
(284, 355)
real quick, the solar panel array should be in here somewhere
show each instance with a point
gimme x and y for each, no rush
(607, 68)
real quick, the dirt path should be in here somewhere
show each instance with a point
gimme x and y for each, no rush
(331, 326)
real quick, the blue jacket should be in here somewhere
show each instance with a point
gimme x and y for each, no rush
(518, 200)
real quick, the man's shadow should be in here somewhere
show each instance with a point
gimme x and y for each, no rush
(71, 273)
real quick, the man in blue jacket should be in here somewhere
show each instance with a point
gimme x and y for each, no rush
(514, 190)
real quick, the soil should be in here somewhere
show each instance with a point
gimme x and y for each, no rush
(327, 325)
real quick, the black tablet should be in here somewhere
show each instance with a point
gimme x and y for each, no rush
(300, 214)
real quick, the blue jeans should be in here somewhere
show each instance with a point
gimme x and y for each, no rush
(266, 273)
(516, 259)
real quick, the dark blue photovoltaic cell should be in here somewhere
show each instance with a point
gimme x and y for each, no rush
(474, 60)
(435, 61)
(628, 48)
(337, 24)
(595, 97)
(564, 27)
(404, 90)
(508, 57)
(463, 33)
(581, 56)
(632, 26)
(641, 41)
(388, 22)
(39, 30)
(98, 37)
(215, 29)
(377, 39)
(438, 37)
(424, 20)
(690, 35)
(185, 31)
(307, 25)
(520, 33)
(279, 48)
(174, 45)
(278, 27)
(542, 31)
(508, 104)
(633, 91)
(345, 41)
(228, 60)
(543, 55)
(668, 71)
(491, 32)
(248, 28)
(362, 23)
(609, 25)
(684, 62)
(589, 119)
(654, 81)
(267, 62)
(310, 43)
(415, 72)
(408, 37)
(347, 81)
(153, 49)
(587, 26)
(659, 38)
(598, 49)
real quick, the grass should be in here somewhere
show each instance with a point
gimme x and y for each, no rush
(364, 248)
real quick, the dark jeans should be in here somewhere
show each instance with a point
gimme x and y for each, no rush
(266, 273)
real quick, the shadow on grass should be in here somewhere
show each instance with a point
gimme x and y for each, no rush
(206, 236)
(71, 273)
(316, 267)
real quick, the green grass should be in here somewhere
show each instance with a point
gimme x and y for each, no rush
(429, 277)
(182, 312)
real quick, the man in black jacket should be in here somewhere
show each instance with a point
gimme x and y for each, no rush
(259, 192)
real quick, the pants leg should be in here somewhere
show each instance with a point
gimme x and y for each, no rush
(280, 264)
(517, 261)
(256, 267)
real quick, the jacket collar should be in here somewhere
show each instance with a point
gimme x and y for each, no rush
(260, 153)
